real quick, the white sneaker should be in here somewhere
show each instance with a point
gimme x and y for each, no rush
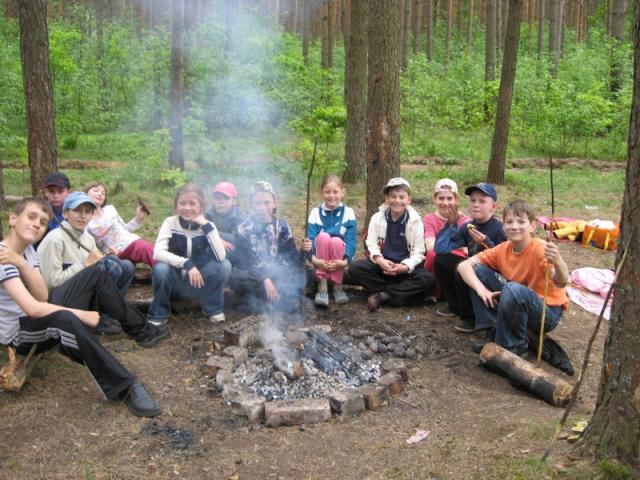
(217, 318)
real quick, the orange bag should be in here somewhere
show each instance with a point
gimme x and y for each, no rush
(601, 234)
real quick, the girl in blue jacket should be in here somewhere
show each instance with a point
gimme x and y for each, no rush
(331, 239)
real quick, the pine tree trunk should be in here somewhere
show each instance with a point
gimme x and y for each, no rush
(355, 84)
(447, 38)
(507, 80)
(325, 40)
(306, 30)
(505, 21)
(540, 29)
(406, 24)
(176, 153)
(499, 28)
(429, 17)
(9, 8)
(614, 430)
(618, 10)
(490, 42)
(38, 91)
(330, 33)
(469, 24)
(415, 44)
(383, 99)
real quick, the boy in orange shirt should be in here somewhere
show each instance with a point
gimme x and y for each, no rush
(508, 282)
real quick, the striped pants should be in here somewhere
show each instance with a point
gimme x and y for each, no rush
(73, 339)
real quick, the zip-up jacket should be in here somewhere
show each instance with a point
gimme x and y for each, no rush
(414, 233)
(60, 257)
(452, 237)
(339, 222)
(185, 245)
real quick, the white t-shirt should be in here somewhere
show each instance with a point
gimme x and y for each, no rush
(110, 230)
(10, 312)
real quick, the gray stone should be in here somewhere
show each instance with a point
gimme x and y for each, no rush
(346, 402)
(375, 395)
(215, 363)
(249, 405)
(297, 412)
(393, 382)
(238, 354)
(398, 366)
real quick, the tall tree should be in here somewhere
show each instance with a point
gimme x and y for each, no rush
(614, 430)
(327, 34)
(406, 25)
(507, 80)
(469, 24)
(540, 31)
(417, 15)
(38, 91)
(618, 10)
(355, 89)
(383, 99)
(429, 21)
(176, 154)
(306, 30)
(490, 42)
(447, 36)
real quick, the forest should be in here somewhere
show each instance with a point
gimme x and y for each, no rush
(539, 97)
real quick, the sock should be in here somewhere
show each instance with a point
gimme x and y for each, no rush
(337, 288)
(322, 285)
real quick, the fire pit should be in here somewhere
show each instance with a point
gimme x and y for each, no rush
(289, 376)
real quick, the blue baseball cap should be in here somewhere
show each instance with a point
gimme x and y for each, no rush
(486, 188)
(75, 199)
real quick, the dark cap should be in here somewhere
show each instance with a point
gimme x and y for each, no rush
(486, 188)
(57, 179)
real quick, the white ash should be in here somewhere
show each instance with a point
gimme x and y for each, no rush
(258, 376)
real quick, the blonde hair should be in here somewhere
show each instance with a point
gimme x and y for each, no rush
(331, 178)
(190, 187)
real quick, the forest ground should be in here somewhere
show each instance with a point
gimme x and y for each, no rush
(481, 427)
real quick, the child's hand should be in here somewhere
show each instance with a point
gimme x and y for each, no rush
(272, 291)
(94, 257)
(333, 265)
(140, 213)
(112, 250)
(489, 298)
(306, 245)
(320, 264)
(551, 252)
(200, 220)
(88, 318)
(195, 278)
(228, 246)
(477, 236)
(9, 257)
(398, 269)
(452, 215)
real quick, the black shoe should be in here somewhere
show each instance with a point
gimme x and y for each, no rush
(478, 346)
(374, 301)
(468, 326)
(140, 402)
(108, 326)
(521, 350)
(153, 335)
(446, 312)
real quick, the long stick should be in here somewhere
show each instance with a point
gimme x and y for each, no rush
(585, 361)
(547, 268)
(306, 214)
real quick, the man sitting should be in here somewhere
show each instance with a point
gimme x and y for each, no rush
(26, 318)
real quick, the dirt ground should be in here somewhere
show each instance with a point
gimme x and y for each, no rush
(58, 427)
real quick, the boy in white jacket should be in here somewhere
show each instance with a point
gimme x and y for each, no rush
(395, 242)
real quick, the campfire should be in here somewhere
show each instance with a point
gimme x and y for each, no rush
(289, 376)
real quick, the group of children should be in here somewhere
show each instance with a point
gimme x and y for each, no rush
(491, 273)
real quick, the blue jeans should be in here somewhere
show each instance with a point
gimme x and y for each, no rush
(519, 310)
(118, 270)
(170, 283)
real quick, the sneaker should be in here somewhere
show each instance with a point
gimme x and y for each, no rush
(140, 402)
(322, 299)
(108, 326)
(340, 296)
(374, 301)
(467, 326)
(154, 334)
(217, 318)
(446, 312)
(430, 300)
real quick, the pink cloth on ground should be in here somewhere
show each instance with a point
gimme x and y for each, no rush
(330, 248)
(139, 251)
(597, 280)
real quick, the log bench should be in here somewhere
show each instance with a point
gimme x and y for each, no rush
(17, 368)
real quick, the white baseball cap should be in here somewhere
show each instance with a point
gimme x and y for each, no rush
(396, 182)
(445, 185)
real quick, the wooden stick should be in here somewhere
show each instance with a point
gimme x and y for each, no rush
(306, 218)
(405, 402)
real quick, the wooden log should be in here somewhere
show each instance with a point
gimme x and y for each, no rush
(15, 373)
(523, 374)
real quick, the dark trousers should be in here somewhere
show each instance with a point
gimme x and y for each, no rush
(456, 292)
(91, 289)
(288, 282)
(401, 288)
(64, 330)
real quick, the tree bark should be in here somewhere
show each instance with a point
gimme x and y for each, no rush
(9, 8)
(429, 15)
(540, 29)
(405, 32)
(38, 91)
(306, 30)
(490, 42)
(383, 99)
(447, 37)
(618, 10)
(415, 44)
(469, 24)
(507, 80)
(176, 153)
(505, 21)
(614, 430)
(355, 86)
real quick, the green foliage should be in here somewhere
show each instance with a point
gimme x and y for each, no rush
(612, 470)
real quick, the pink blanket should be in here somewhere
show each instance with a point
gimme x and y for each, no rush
(589, 288)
